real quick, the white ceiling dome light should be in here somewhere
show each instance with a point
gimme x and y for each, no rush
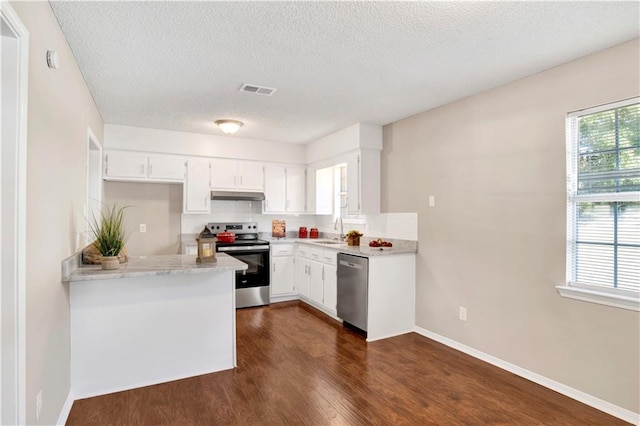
(229, 126)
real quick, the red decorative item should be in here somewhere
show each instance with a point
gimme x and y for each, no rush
(226, 237)
(302, 233)
(313, 233)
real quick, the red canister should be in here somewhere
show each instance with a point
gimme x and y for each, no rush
(302, 232)
(313, 233)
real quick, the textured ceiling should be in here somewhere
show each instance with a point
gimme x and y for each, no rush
(179, 65)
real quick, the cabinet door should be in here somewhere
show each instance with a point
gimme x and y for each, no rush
(282, 273)
(302, 276)
(224, 174)
(251, 176)
(274, 189)
(296, 189)
(166, 168)
(316, 287)
(330, 288)
(123, 164)
(196, 186)
(353, 183)
(310, 195)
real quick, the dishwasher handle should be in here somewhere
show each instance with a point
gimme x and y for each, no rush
(350, 265)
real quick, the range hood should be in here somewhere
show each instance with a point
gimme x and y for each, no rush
(237, 196)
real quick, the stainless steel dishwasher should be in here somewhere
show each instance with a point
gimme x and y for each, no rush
(353, 289)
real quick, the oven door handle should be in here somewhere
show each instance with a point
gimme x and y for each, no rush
(244, 248)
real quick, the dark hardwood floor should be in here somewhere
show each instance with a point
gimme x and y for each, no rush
(295, 366)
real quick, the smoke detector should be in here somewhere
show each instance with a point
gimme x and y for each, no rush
(260, 90)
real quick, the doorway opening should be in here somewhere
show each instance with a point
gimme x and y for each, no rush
(13, 151)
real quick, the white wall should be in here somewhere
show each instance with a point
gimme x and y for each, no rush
(60, 110)
(172, 142)
(359, 135)
(158, 206)
(495, 240)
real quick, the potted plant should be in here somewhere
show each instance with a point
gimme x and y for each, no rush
(108, 230)
(353, 237)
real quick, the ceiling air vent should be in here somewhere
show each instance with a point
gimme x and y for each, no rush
(260, 90)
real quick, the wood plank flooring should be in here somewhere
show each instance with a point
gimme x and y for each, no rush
(296, 366)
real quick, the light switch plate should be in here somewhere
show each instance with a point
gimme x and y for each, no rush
(143, 228)
(432, 200)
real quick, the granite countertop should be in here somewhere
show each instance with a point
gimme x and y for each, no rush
(149, 266)
(399, 246)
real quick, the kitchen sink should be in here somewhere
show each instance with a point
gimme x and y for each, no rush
(330, 242)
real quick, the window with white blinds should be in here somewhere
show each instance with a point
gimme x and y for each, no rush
(603, 212)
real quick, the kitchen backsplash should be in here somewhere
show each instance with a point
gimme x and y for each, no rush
(384, 225)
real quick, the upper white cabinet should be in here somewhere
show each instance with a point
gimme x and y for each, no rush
(236, 175)
(123, 164)
(143, 167)
(296, 189)
(363, 182)
(196, 192)
(284, 189)
(275, 189)
(167, 168)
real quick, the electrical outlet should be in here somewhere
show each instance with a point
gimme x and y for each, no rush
(38, 405)
(432, 200)
(462, 314)
(143, 228)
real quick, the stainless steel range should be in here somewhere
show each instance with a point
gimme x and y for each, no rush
(252, 285)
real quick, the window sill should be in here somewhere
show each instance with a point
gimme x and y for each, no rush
(603, 298)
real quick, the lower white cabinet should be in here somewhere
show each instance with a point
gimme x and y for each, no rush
(316, 277)
(282, 270)
(330, 295)
(302, 276)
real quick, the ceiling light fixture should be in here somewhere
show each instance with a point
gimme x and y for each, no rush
(229, 126)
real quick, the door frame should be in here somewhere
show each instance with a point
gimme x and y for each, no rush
(94, 178)
(9, 18)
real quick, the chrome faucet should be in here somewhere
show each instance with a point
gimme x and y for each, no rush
(335, 228)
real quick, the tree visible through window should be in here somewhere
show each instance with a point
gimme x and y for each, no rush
(604, 197)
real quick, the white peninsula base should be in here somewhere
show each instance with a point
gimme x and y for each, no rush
(138, 331)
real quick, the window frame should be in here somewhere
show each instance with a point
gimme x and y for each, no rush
(609, 296)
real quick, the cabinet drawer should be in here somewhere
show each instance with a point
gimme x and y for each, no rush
(316, 254)
(304, 251)
(330, 257)
(282, 250)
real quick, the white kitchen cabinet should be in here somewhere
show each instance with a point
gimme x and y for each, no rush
(310, 195)
(142, 167)
(296, 189)
(275, 189)
(282, 272)
(318, 273)
(316, 283)
(167, 168)
(284, 189)
(330, 299)
(363, 182)
(125, 165)
(302, 276)
(251, 175)
(236, 175)
(196, 186)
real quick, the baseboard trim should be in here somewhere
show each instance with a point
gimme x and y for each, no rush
(585, 398)
(66, 410)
